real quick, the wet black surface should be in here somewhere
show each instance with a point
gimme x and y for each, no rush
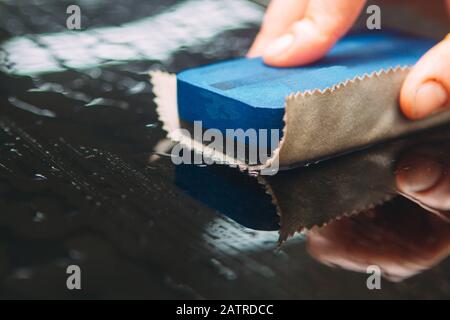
(85, 178)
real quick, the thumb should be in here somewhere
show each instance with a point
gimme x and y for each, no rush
(310, 38)
(426, 89)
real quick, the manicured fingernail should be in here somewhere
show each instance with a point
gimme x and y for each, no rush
(430, 97)
(419, 174)
(280, 45)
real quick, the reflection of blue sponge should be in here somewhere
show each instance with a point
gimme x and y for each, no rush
(245, 93)
(237, 196)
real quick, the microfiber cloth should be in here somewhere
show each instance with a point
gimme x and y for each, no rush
(309, 197)
(246, 93)
(346, 101)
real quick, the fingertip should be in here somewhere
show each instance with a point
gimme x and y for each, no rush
(426, 89)
(277, 51)
(278, 20)
(418, 173)
(426, 98)
(257, 48)
(407, 103)
(253, 53)
(303, 45)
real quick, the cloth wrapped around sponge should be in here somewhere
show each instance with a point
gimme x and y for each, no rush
(345, 102)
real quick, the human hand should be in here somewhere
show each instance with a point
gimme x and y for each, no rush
(423, 175)
(299, 32)
(399, 237)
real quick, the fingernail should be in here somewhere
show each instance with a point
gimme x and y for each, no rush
(419, 174)
(430, 98)
(280, 45)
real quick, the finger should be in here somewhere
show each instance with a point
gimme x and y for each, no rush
(426, 89)
(279, 17)
(361, 240)
(313, 36)
(426, 179)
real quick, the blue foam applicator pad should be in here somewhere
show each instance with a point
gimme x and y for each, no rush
(246, 93)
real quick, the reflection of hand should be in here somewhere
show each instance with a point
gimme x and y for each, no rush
(423, 175)
(298, 32)
(399, 237)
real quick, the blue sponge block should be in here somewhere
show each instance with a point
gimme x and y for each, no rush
(246, 93)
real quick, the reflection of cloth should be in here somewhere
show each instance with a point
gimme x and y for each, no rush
(316, 195)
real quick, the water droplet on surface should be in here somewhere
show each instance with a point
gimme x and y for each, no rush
(39, 217)
(13, 150)
(138, 88)
(39, 177)
(151, 125)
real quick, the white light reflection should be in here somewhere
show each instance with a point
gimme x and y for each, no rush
(227, 236)
(154, 38)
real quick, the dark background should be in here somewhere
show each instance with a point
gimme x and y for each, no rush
(85, 177)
